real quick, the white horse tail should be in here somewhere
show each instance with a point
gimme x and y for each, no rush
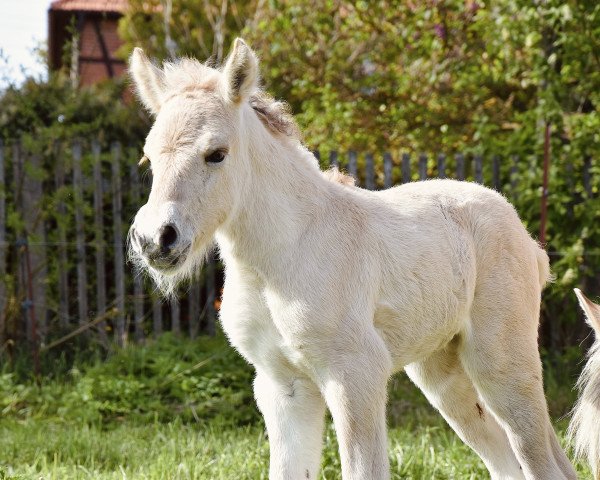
(584, 430)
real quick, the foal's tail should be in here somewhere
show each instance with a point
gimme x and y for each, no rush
(584, 430)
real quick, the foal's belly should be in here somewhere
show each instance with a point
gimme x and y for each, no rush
(413, 329)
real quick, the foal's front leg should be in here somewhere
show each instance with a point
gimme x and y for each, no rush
(294, 412)
(355, 390)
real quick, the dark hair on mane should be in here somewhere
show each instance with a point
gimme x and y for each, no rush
(275, 115)
(187, 73)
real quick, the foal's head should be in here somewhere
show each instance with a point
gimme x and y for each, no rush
(198, 153)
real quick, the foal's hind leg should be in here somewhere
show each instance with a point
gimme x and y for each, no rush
(444, 382)
(500, 355)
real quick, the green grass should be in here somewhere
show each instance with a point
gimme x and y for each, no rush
(50, 449)
(178, 409)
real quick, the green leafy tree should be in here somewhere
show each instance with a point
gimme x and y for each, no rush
(436, 76)
(202, 29)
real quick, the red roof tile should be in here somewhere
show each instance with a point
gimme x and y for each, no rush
(90, 5)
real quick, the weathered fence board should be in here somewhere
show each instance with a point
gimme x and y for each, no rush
(82, 296)
(194, 308)
(369, 172)
(138, 283)
(460, 166)
(104, 177)
(211, 292)
(23, 278)
(333, 159)
(388, 172)
(422, 166)
(35, 236)
(478, 167)
(17, 263)
(405, 168)
(175, 316)
(496, 182)
(61, 248)
(441, 164)
(3, 246)
(352, 163)
(119, 265)
(99, 238)
(157, 317)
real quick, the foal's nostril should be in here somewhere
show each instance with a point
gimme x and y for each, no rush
(167, 238)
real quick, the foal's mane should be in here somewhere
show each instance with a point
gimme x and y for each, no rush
(186, 74)
(274, 114)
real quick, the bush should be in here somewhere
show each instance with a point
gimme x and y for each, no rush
(170, 378)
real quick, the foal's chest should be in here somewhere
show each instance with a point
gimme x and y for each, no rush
(268, 332)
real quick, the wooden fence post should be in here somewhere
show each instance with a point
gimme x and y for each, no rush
(175, 316)
(194, 307)
(157, 321)
(423, 166)
(17, 168)
(460, 166)
(63, 260)
(3, 248)
(441, 161)
(333, 159)
(120, 333)
(99, 240)
(210, 295)
(353, 164)
(27, 195)
(138, 282)
(406, 177)
(82, 298)
(478, 167)
(369, 172)
(36, 240)
(388, 165)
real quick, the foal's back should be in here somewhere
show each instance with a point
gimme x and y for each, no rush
(448, 247)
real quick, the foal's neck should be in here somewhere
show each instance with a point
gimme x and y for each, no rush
(286, 192)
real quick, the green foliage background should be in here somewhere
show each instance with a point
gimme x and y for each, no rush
(454, 76)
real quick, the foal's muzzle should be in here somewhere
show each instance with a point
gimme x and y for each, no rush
(165, 251)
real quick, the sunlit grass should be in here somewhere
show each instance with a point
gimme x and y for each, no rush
(183, 409)
(34, 449)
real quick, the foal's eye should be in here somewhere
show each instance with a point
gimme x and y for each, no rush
(215, 157)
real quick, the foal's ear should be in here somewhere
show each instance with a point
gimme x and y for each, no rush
(240, 72)
(149, 80)
(592, 311)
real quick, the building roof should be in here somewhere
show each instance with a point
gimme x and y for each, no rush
(89, 5)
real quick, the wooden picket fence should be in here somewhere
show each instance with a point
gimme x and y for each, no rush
(64, 214)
